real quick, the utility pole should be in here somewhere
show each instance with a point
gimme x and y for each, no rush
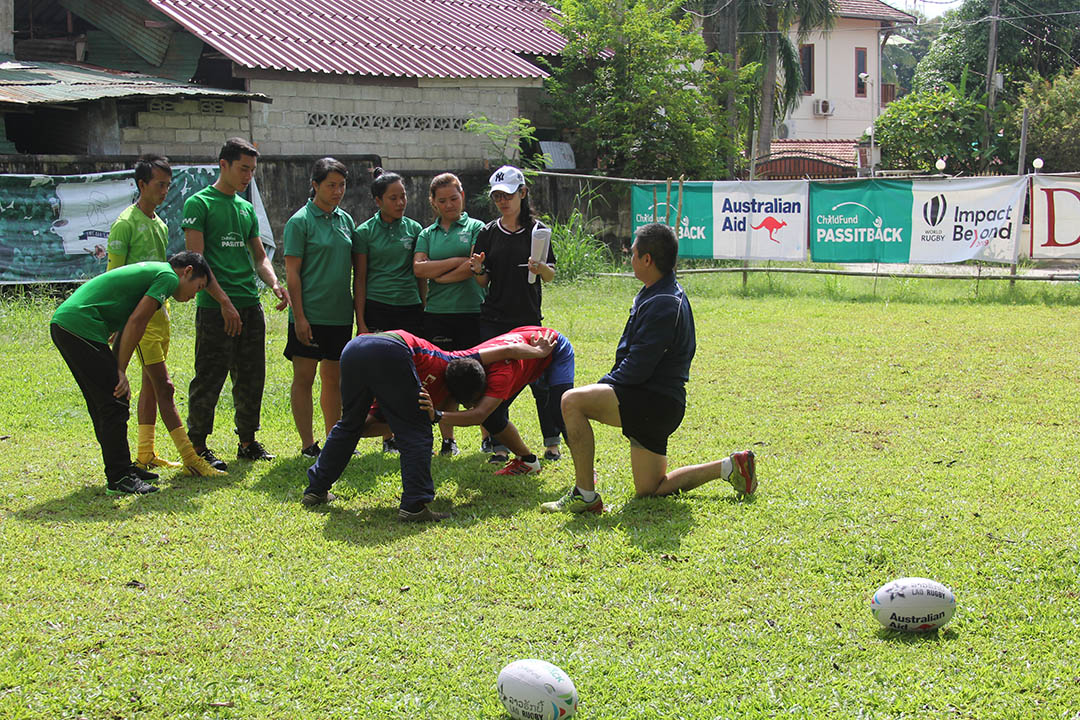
(991, 86)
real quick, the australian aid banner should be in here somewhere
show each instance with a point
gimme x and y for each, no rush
(1055, 217)
(916, 221)
(764, 220)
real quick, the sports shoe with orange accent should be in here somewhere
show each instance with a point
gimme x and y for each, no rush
(743, 472)
(517, 466)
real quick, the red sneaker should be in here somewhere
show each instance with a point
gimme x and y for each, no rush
(517, 466)
(743, 472)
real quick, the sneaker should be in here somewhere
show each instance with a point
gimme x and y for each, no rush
(517, 466)
(311, 451)
(572, 502)
(201, 468)
(156, 461)
(485, 445)
(130, 484)
(743, 472)
(213, 460)
(144, 475)
(425, 515)
(389, 446)
(252, 451)
(498, 459)
(312, 499)
(552, 455)
(449, 448)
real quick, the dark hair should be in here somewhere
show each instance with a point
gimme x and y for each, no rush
(465, 379)
(199, 266)
(324, 167)
(234, 147)
(441, 181)
(525, 218)
(658, 241)
(380, 180)
(144, 167)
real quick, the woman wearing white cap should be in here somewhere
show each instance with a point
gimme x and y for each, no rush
(502, 263)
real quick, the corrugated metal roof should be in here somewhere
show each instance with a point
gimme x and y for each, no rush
(180, 62)
(841, 151)
(393, 38)
(126, 20)
(872, 10)
(33, 83)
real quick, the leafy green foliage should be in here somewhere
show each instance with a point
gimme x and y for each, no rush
(1053, 122)
(505, 140)
(900, 60)
(637, 92)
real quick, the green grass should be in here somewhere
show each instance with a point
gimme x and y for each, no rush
(907, 429)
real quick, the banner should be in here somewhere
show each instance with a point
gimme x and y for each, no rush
(1055, 217)
(53, 228)
(762, 220)
(920, 221)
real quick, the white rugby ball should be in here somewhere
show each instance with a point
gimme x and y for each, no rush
(537, 690)
(913, 604)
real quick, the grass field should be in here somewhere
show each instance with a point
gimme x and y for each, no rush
(907, 429)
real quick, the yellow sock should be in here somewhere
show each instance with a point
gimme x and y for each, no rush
(183, 445)
(146, 443)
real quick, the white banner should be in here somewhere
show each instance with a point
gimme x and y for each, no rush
(1055, 217)
(760, 220)
(966, 219)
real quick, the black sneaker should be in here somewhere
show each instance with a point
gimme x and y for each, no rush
(424, 515)
(485, 445)
(499, 459)
(312, 450)
(389, 446)
(252, 451)
(129, 485)
(313, 499)
(142, 474)
(213, 460)
(552, 455)
(449, 448)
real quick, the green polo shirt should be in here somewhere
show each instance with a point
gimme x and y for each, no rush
(103, 305)
(134, 237)
(466, 295)
(325, 243)
(389, 249)
(227, 222)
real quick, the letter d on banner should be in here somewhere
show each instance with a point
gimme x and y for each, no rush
(1055, 215)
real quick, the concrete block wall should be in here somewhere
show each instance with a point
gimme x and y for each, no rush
(184, 130)
(282, 128)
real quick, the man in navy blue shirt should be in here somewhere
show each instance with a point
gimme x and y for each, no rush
(645, 392)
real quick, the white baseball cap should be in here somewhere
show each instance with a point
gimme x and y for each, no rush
(506, 179)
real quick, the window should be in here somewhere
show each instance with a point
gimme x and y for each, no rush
(806, 60)
(860, 68)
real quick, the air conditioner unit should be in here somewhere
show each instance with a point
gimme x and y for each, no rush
(824, 107)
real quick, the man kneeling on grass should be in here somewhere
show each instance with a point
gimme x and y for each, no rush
(404, 375)
(123, 299)
(645, 392)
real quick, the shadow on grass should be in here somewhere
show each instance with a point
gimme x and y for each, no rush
(287, 480)
(177, 493)
(918, 638)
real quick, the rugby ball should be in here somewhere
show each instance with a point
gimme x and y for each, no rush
(537, 690)
(913, 604)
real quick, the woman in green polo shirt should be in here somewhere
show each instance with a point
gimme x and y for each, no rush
(452, 313)
(321, 266)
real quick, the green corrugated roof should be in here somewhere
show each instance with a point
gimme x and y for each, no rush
(126, 19)
(24, 84)
(180, 62)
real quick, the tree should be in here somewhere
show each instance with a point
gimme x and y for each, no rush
(1053, 121)
(902, 54)
(636, 89)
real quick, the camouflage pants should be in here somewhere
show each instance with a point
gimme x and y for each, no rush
(243, 358)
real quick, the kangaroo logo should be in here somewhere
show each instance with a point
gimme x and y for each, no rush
(771, 224)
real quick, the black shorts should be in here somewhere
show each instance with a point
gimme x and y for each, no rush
(453, 331)
(648, 418)
(380, 317)
(329, 341)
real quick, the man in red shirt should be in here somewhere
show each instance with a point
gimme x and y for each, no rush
(489, 391)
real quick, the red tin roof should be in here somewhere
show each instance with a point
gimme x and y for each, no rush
(872, 10)
(840, 151)
(389, 38)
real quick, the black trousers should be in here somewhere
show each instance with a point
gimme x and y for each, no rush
(94, 367)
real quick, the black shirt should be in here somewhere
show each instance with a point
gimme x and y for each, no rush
(511, 298)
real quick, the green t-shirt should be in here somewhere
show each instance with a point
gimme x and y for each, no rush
(103, 305)
(325, 243)
(134, 237)
(389, 250)
(465, 295)
(227, 222)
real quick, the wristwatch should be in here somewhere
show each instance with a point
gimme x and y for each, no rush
(437, 418)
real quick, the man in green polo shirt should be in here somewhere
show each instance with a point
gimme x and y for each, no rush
(230, 330)
(121, 300)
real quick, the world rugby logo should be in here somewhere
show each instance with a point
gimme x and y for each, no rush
(933, 210)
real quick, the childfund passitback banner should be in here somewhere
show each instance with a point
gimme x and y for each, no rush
(916, 221)
(762, 220)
